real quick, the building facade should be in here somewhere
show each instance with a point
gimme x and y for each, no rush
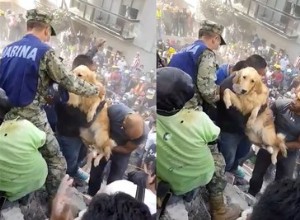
(127, 25)
(278, 22)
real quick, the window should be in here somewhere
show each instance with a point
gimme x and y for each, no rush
(130, 8)
(106, 16)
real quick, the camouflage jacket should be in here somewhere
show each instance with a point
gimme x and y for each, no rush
(206, 88)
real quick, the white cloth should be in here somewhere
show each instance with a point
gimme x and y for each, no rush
(130, 188)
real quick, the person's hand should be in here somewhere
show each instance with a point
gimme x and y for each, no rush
(100, 43)
(61, 203)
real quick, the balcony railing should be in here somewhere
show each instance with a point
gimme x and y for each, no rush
(116, 24)
(280, 21)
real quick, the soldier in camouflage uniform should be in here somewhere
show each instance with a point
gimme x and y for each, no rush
(49, 69)
(199, 61)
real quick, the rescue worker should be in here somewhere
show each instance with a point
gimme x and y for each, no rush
(199, 61)
(27, 69)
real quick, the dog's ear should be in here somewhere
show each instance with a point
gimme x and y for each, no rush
(236, 78)
(258, 87)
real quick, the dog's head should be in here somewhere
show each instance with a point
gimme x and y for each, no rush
(89, 76)
(248, 80)
(86, 74)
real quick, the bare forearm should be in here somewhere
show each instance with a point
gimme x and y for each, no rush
(121, 150)
(293, 145)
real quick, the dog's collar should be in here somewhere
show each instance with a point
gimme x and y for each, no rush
(99, 108)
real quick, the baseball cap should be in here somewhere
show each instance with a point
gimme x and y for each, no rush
(213, 27)
(38, 15)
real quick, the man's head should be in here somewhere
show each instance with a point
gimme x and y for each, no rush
(133, 126)
(39, 24)
(211, 34)
(119, 206)
(280, 201)
(85, 60)
(257, 62)
(295, 104)
(143, 179)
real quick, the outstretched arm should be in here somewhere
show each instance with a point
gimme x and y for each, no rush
(51, 66)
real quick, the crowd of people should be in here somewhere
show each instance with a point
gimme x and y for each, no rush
(173, 20)
(194, 117)
(52, 135)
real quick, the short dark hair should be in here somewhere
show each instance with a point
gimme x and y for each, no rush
(139, 178)
(119, 206)
(31, 24)
(280, 201)
(239, 65)
(256, 61)
(82, 59)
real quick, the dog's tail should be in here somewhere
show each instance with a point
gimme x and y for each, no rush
(281, 143)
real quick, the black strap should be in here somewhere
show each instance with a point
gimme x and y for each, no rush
(164, 204)
(99, 108)
(140, 194)
(2, 199)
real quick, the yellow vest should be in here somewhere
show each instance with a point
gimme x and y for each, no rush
(158, 14)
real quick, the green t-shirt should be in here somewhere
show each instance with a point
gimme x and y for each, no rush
(183, 157)
(22, 167)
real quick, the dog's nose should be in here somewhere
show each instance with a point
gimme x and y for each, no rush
(243, 91)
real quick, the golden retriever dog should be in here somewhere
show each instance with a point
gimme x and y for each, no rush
(250, 96)
(97, 134)
(87, 104)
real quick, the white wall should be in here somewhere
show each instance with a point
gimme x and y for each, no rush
(290, 46)
(146, 31)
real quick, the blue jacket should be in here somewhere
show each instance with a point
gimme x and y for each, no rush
(19, 69)
(222, 73)
(188, 58)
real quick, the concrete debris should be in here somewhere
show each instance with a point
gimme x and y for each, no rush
(12, 213)
(36, 208)
(77, 201)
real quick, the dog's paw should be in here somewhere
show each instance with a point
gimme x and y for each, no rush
(228, 104)
(226, 98)
(274, 160)
(270, 149)
(107, 152)
(97, 160)
(284, 152)
(89, 117)
(107, 157)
